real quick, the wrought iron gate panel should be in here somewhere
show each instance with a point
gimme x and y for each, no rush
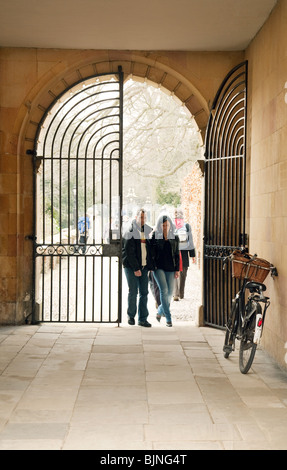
(78, 177)
(224, 226)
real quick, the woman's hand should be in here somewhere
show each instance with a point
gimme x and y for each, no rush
(176, 274)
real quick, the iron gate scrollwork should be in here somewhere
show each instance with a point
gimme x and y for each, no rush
(78, 202)
(225, 187)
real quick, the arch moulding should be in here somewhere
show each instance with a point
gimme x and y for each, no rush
(56, 82)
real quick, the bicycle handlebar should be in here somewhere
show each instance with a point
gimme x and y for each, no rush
(273, 269)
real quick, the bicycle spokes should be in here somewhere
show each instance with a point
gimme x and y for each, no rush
(247, 347)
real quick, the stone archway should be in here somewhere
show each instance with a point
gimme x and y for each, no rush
(143, 68)
(65, 70)
(32, 79)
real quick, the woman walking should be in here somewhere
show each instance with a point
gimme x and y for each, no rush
(165, 250)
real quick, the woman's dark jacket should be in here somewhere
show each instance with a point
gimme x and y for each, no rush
(158, 249)
(131, 252)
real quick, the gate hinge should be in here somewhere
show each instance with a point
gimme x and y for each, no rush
(31, 152)
(31, 237)
(243, 239)
(201, 164)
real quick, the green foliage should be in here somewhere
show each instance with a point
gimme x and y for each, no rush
(163, 196)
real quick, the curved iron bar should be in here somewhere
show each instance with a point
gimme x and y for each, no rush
(65, 92)
(69, 110)
(225, 168)
(229, 129)
(236, 136)
(72, 119)
(217, 110)
(224, 114)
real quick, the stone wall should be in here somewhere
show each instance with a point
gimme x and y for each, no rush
(192, 194)
(267, 167)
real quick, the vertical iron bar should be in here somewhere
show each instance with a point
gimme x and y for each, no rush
(121, 80)
(33, 318)
(51, 288)
(68, 288)
(226, 192)
(110, 231)
(86, 239)
(102, 236)
(60, 234)
(245, 152)
(44, 200)
(94, 231)
(60, 288)
(44, 233)
(43, 287)
(61, 126)
(76, 289)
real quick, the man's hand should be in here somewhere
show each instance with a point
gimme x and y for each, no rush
(138, 273)
(176, 274)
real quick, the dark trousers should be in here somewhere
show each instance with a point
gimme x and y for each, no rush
(83, 242)
(137, 285)
(154, 288)
(180, 284)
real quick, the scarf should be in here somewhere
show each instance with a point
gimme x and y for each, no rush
(179, 223)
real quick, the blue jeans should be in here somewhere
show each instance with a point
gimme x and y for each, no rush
(137, 285)
(165, 281)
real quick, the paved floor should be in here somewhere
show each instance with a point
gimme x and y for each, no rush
(130, 388)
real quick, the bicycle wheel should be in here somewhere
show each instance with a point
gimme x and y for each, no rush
(231, 330)
(247, 348)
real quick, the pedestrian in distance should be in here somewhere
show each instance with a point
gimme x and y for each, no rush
(137, 262)
(165, 251)
(83, 230)
(187, 250)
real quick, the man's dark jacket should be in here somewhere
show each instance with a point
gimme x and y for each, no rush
(131, 252)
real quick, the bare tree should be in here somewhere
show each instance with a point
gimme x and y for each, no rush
(160, 144)
(161, 140)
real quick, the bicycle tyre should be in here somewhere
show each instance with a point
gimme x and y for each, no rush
(231, 330)
(247, 348)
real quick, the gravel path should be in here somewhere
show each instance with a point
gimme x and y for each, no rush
(187, 308)
(183, 310)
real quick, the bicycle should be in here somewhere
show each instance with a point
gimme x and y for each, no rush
(247, 317)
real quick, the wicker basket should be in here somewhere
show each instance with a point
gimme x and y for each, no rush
(252, 269)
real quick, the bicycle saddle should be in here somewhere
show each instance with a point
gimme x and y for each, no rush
(253, 286)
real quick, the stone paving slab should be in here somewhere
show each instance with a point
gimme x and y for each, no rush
(103, 387)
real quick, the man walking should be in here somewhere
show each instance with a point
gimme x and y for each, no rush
(137, 262)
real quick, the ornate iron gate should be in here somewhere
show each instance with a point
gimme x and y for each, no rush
(78, 201)
(224, 227)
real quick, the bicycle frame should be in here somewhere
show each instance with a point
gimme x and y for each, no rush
(247, 317)
(242, 317)
(258, 299)
(240, 299)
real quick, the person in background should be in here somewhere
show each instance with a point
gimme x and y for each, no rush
(83, 229)
(165, 251)
(137, 262)
(187, 251)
